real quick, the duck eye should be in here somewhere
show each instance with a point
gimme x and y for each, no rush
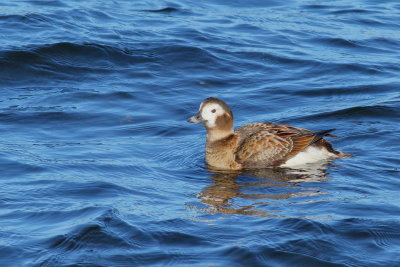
(214, 110)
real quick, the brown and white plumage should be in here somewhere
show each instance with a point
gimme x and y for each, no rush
(258, 145)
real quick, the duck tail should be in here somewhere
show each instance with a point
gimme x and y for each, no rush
(322, 143)
(321, 134)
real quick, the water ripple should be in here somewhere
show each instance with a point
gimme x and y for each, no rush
(100, 168)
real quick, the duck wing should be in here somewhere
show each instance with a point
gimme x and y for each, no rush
(269, 144)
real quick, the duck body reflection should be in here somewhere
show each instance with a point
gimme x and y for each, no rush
(261, 165)
(260, 192)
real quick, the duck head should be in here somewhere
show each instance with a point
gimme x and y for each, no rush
(216, 116)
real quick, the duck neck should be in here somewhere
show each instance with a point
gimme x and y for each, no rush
(222, 128)
(215, 134)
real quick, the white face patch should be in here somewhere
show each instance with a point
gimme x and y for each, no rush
(210, 112)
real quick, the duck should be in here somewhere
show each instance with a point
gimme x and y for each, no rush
(260, 144)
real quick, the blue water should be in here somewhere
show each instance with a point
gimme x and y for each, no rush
(100, 168)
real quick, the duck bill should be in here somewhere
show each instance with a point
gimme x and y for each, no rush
(196, 118)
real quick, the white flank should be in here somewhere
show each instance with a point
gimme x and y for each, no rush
(310, 155)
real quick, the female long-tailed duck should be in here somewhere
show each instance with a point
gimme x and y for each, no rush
(260, 144)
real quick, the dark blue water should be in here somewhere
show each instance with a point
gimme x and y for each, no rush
(100, 168)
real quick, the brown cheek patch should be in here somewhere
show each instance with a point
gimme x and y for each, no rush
(224, 122)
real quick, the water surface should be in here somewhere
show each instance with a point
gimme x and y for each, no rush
(100, 168)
